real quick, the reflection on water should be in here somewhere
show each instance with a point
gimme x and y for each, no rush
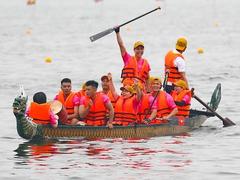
(125, 153)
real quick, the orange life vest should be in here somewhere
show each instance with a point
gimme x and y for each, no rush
(182, 110)
(68, 102)
(131, 71)
(40, 113)
(124, 111)
(81, 93)
(144, 108)
(112, 99)
(97, 113)
(163, 108)
(174, 74)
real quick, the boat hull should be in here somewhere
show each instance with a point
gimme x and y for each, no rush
(29, 130)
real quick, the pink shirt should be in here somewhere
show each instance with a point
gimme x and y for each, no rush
(187, 99)
(150, 100)
(126, 58)
(170, 101)
(154, 106)
(76, 100)
(105, 99)
(52, 117)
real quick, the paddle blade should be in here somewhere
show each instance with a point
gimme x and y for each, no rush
(101, 34)
(227, 122)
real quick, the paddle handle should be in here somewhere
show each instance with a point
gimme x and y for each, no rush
(139, 17)
(165, 80)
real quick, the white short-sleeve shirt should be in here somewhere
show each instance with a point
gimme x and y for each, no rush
(180, 63)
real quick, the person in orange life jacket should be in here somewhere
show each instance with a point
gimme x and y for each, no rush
(127, 103)
(182, 98)
(175, 64)
(40, 111)
(69, 100)
(134, 66)
(82, 91)
(95, 105)
(165, 103)
(106, 81)
(147, 108)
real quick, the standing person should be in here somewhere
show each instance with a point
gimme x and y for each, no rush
(182, 98)
(95, 106)
(135, 67)
(69, 100)
(40, 111)
(175, 64)
(165, 103)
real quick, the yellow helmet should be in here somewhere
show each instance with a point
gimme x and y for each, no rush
(181, 44)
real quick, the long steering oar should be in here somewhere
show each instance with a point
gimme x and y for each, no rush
(226, 121)
(110, 30)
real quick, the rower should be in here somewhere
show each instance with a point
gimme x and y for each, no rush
(126, 107)
(182, 98)
(40, 111)
(106, 81)
(147, 108)
(165, 104)
(69, 100)
(135, 67)
(95, 106)
(175, 65)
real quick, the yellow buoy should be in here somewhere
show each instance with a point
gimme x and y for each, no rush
(29, 31)
(200, 50)
(48, 60)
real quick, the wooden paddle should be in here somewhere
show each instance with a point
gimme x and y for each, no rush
(110, 30)
(226, 121)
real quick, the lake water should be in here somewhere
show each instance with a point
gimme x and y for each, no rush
(60, 29)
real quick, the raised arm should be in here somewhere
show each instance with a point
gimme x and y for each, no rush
(112, 87)
(120, 42)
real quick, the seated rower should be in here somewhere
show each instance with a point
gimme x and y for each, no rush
(126, 107)
(147, 108)
(95, 106)
(106, 81)
(182, 98)
(82, 91)
(40, 111)
(166, 108)
(69, 100)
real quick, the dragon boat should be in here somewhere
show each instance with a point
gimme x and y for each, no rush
(30, 130)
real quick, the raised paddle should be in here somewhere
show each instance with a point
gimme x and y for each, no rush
(226, 121)
(110, 30)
